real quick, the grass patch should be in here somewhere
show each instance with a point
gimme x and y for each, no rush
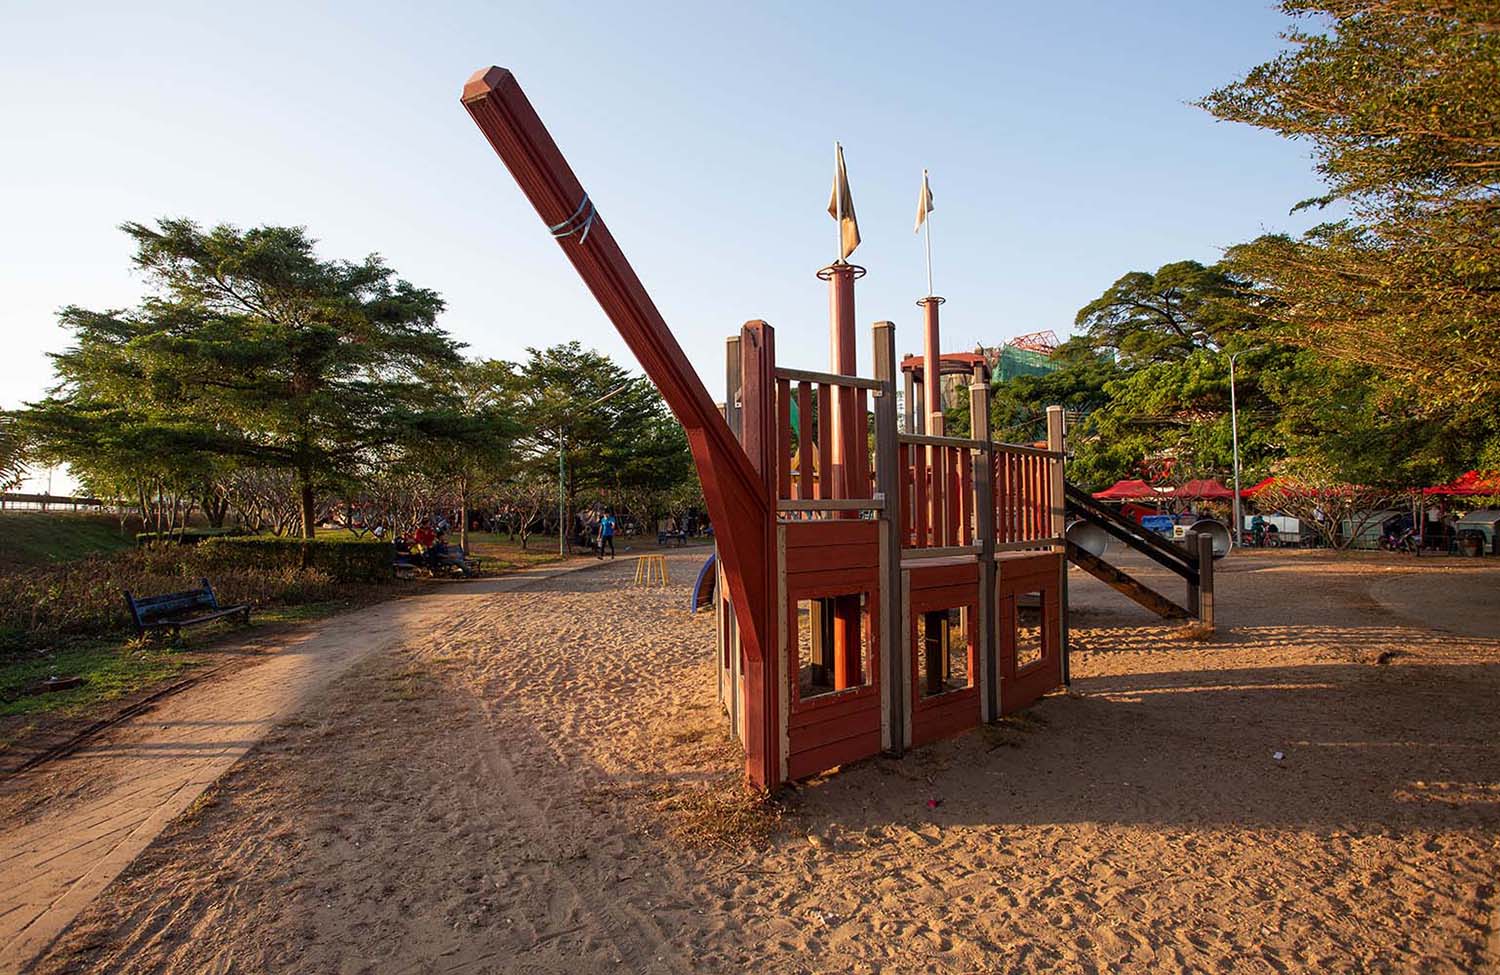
(110, 669)
(723, 816)
(48, 538)
(501, 554)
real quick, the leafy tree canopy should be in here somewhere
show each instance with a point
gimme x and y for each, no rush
(1158, 317)
(253, 348)
(1399, 101)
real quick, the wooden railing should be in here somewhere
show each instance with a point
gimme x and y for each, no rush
(938, 497)
(942, 481)
(1023, 497)
(808, 477)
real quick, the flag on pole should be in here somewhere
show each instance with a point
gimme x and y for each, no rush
(924, 203)
(841, 206)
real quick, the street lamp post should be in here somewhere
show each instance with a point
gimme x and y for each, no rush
(1234, 432)
(1234, 446)
(562, 471)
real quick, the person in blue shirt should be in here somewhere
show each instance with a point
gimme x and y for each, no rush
(607, 534)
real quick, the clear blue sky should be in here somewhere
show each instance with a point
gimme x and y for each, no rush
(1062, 147)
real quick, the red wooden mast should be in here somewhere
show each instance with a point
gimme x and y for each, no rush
(738, 488)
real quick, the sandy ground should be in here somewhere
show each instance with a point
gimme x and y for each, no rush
(541, 784)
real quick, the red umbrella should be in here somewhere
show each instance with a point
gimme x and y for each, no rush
(1204, 489)
(1128, 490)
(1469, 484)
(1255, 489)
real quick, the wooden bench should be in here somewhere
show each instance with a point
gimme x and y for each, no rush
(176, 610)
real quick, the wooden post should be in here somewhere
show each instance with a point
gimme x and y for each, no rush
(1057, 439)
(762, 674)
(909, 403)
(732, 408)
(893, 649)
(984, 527)
(1205, 546)
(1192, 580)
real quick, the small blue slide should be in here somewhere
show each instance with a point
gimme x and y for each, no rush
(703, 589)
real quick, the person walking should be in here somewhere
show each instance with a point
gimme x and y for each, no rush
(607, 534)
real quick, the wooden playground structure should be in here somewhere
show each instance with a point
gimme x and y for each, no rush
(880, 584)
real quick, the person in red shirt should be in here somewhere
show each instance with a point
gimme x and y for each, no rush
(424, 536)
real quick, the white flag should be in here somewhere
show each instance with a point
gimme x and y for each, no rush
(924, 203)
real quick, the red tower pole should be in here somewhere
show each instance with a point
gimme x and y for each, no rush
(842, 362)
(932, 365)
(932, 402)
(848, 459)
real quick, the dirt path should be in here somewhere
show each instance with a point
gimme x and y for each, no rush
(540, 784)
(89, 814)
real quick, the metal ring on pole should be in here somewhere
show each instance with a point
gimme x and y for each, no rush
(826, 273)
(579, 223)
(937, 299)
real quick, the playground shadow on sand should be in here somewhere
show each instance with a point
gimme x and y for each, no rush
(1361, 747)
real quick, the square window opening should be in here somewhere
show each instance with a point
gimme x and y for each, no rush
(833, 644)
(943, 651)
(1030, 645)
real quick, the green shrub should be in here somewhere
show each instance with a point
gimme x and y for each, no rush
(86, 598)
(342, 559)
(189, 536)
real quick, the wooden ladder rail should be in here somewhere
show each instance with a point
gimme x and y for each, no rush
(1126, 585)
(1182, 562)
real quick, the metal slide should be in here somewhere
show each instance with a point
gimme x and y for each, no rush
(1080, 504)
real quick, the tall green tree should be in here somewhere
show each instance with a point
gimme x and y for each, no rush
(627, 445)
(251, 348)
(467, 438)
(1399, 101)
(1153, 317)
(12, 454)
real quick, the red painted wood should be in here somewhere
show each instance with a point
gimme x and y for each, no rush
(762, 708)
(805, 477)
(957, 713)
(826, 487)
(925, 577)
(821, 534)
(903, 464)
(1021, 688)
(832, 755)
(839, 558)
(842, 362)
(861, 444)
(932, 368)
(1002, 497)
(834, 716)
(965, 497)
(736, 492)
(946, 714)
(920, 512)
(783, 439)
(955, 495)
(831, 729)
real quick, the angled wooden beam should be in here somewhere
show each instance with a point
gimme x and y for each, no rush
(736, 489)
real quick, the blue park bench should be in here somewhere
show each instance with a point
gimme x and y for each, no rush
(176, 610)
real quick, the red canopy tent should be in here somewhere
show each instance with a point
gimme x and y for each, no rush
(1128, 490)
(1468, 484)
(1203, 489)
(1258, 487)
